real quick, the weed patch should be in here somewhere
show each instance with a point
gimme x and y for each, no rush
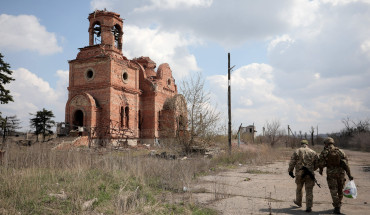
(257, 171)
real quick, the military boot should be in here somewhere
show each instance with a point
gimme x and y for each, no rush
(337, 210)
(297, 203)
(308, 210)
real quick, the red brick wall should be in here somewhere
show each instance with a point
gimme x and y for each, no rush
(118, 83)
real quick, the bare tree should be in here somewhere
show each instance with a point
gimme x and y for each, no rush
(273, 132)
(202, 117)
(9, 125)
(360, 126)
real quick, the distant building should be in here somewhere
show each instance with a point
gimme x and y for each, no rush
(248, 131)
(115, 98)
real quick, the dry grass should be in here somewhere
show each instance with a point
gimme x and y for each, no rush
(121, 182)
(33, 178)
(257, 154)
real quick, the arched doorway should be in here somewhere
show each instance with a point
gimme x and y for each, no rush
(78, 119)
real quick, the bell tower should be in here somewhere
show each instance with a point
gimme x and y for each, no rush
(106, 29)
(103, 84)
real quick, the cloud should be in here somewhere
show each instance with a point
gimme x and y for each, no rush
(173, 4)
(162, 47)
(24, 32)
(317, 75)
(343, 2)
(331, 63)
(301, 13)
(252, 88)
(318, 54)
(337, 47)
(284, 40)
(31, 93)
(257, 98)
(227, 23)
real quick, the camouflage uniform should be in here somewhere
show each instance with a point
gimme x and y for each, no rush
(336, 163)
(304, 156)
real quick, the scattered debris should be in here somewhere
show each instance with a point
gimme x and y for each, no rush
(163, 155)
(153, 152)
(62, 195)
(24, 142)
(185, 189)
(88, 204)
(71, 144)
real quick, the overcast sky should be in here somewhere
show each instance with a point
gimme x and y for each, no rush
(302, 62)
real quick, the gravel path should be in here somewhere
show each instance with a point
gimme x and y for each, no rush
(270, 190)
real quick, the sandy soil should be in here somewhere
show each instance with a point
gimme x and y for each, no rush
(270, 190)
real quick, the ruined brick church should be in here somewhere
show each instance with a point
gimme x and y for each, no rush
(113, 98)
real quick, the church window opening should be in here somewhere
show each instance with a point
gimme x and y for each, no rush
(78, 118)
(124, 76)
(127, 117)
(122, 119)
(89, 74)
(140, 121)
(97, 33)
(117, 33)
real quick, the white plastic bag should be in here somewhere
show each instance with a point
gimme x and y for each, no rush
(350, 190)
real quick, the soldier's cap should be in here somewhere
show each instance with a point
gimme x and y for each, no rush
(329, 140)
(304, 142)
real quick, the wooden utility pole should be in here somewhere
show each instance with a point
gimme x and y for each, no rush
(317, 134)
(229, 99)
(288, 139)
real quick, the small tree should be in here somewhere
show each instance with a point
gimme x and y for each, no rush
(273, 132)
(9, 125)
(202, 119)
(5, 78)
(42, 122)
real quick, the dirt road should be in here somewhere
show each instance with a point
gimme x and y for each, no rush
(270, 190)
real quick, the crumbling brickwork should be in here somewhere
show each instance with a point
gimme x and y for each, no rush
(109, 91)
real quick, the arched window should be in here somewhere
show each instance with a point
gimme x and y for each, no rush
(78, 118)
(117, 33)
(127, 117)
(97, 33)
(122, 118)
(140, 121)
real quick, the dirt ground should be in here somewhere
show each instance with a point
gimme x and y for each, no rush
(270, 190)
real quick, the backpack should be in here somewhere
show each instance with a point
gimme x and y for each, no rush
(333, 158)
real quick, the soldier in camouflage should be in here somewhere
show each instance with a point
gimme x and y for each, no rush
(336, 163)
(303, 157)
